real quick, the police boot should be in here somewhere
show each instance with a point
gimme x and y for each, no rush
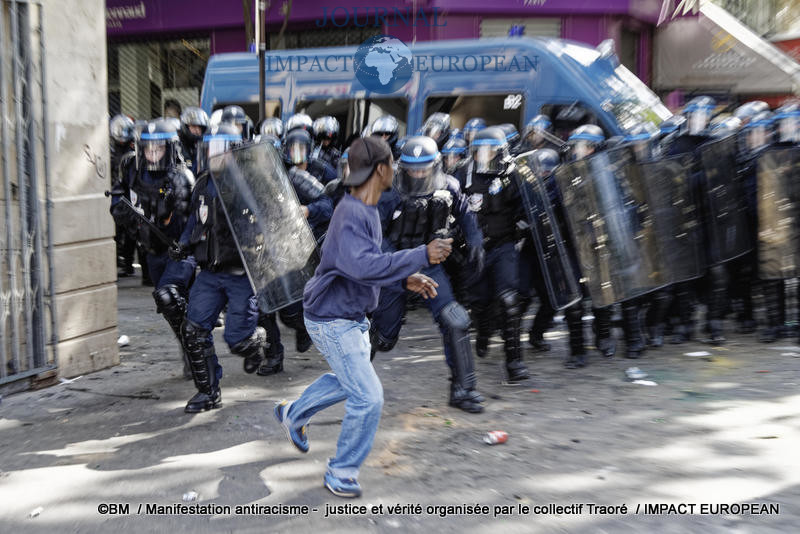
(604, 340)
(202, 361)
(171, 304)
(656, 318)
(577, 352)
(482, 321)
(273, 360)
(454, 320)
(542, 321)
(632, 327)
(718, 278)
(511, 334)
(295, 321)
(251, 349)
(379, 342)
(273, 348)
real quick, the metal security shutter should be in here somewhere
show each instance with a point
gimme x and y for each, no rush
(534, 27)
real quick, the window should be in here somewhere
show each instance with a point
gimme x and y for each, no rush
(494, 109)
(567, 117)
(355, 114)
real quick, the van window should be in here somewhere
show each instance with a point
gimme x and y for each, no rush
(567, 117)
(494, 109)
(272, 108)
(355, 114)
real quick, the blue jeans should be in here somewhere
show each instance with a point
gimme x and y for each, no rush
(345, 346)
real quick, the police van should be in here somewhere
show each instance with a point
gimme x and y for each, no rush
(501, 80)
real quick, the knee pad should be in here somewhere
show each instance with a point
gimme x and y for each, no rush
(454, 317)
(195, 337)
(169, 300)
(511, 302)
(254, 342)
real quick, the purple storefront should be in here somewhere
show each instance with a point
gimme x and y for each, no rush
(158, 48)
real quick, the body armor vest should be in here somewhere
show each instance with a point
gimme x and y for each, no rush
(418, 220)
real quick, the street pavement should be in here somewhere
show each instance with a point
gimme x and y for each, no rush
(708, 434)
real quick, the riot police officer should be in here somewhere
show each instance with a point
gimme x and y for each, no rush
(326, 133)
(778, 219)
(584, 141)
(512, 137)
(494, 197)
(194, 123)
(123, 157)
(388, 129)
(419, 208)
(236, 116)
(222, 280)
(437, 127)
(317, 208)
(272, 126)
(297, 153)
(159, 189)
(299, 121)
(534, 135)
(472, 126)
(454, 153)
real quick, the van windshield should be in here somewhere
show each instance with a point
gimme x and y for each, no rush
(632, 102)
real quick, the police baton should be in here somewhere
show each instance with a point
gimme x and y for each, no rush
(164, 238)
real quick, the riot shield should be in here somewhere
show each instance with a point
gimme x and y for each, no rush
(608, 218)
(725, 219)
(778, 177)
(560, 278)
(275, 242)
(675, 217)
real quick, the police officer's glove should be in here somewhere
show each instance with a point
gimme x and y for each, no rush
(178, 251)
(477, 257)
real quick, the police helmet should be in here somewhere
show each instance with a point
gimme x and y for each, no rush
(584, 141)
(419, 167)
(299, 121)
(454, 153)
(218, 139)
(194, 123)
(534, 130)
(758, 131)
(748, 110)
(386, 127)
(489, 151)
(787, 122)
(473, 126)
(512, 134)
(543, 162)
(325, 129)
(272, 126)
(724, 127)
(157, 146)
(437, 127)
(642, 140)
(297, 146)
(698, 114)
(235, 115)
(121, 129)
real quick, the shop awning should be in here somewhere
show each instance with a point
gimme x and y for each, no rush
(715, 51)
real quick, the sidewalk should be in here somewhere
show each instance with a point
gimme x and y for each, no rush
(720, 430)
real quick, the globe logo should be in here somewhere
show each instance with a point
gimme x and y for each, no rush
(383, 64)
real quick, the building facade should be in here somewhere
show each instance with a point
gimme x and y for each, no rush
(158, 49)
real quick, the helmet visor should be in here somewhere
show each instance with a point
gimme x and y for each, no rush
(416, 179)
(452, 159)
(154, 152)
(582, 148)
(434, 131)
(486, 159)
(787, 129)
(298, 153)
(757, 137)
(698, 120)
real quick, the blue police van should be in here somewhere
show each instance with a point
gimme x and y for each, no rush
(501, 80)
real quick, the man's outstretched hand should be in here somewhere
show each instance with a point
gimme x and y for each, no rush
(424, 285)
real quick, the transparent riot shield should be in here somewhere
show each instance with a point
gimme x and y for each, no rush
(778, 178)
(275, 242)
(610, 225)
(725, 219)
(675, 217)
(560, 278)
